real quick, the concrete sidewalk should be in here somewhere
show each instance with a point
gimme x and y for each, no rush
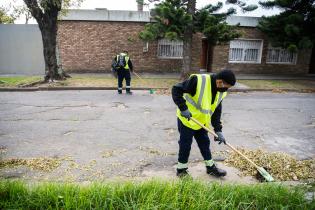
(177, 75)
(239, 87)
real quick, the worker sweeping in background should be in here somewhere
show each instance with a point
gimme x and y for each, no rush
(123, 65)
(200, 97)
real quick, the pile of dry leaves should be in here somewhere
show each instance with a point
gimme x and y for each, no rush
(281, 166)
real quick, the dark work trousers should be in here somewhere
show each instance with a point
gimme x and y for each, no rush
(123, 74)
(185, 141)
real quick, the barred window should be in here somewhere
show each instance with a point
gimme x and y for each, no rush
(170, 49)
(280, 56)
(245, 51)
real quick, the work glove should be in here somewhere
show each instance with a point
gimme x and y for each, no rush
(186, 114)
(220, 138)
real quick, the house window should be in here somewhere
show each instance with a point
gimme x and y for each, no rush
(280, 56)
(170, 49)
(245, 51)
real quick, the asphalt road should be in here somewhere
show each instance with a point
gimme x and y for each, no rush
(104, 135)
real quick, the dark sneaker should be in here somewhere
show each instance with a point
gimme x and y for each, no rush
(119, 92)
(129, 92)
(213, 170)
(182, 173)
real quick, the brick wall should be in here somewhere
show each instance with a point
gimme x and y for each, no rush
(89, 46)
(221, 55)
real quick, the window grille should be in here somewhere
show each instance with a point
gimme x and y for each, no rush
(245, 51)
(280, 56)
(170, 48)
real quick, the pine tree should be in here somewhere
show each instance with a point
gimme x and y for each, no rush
(214, 27)
(179, 19)
(293, 28)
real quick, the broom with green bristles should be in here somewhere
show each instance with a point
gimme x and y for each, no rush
(150, 90)
(261, 170)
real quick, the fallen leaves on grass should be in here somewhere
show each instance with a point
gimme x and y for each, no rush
(281, 166)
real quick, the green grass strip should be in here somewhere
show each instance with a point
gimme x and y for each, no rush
(150, 195)
(19, 80)
(280, 84)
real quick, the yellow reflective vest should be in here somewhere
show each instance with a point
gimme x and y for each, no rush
(200, 104)
(126, 60)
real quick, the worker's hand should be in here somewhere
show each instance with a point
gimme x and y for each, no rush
(186, 114)
(220, 138)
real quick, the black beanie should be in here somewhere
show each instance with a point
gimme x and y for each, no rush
(228, 76)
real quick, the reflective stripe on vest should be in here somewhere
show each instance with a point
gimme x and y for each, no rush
(126, 60)
(204, 111)
(200, 104)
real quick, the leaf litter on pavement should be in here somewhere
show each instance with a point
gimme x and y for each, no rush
(40, 163)
(281, 166)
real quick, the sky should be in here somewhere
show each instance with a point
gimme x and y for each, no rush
(132, 5)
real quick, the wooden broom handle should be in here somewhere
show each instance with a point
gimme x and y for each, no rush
(204, 127)
(137, 75)
(215, 135)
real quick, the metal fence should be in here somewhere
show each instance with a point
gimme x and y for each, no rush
(21, 50)
(280, 56)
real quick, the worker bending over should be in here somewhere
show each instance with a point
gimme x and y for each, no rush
(200, 97)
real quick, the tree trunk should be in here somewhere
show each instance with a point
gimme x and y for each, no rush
(312, 62)
(47, 23)
(186, 55)
(187, 44)
(49, 32)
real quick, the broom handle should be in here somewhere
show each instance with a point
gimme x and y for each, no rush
(204, 127)
(215, 135)
(249, 160)
(137, 75)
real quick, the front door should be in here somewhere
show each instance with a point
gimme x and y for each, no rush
(205, 60)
